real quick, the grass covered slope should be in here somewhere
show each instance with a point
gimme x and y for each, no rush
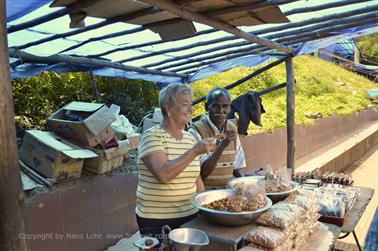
(321, 87)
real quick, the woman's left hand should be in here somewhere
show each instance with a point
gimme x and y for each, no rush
(204, 146)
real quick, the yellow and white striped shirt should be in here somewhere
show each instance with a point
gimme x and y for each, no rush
(172, 200)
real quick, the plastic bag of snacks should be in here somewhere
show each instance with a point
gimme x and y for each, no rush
(285, 246)
(302, 201)
(265, 237)
(277, 181)
(297, 210)
(252, 191)
(247, 197)
(332, 205)
(280, 216)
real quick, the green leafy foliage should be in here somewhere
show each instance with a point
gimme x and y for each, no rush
(321, 87)
(35, 99)
(38, 97)
(369, 48)
(136, 97)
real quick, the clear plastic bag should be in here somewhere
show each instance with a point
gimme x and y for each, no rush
(122, 126)
(285, 246)
(277, 218)
(296, 209)
(278, 180)
(310, 193)
(332, 205)
(251, 193)
(302, 201)
(248, 197)
(265, 237)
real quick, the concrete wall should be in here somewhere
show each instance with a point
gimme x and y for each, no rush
(89, 215)
(350, 153)
(264, 149)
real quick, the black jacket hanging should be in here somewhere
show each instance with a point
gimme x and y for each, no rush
(249, 108)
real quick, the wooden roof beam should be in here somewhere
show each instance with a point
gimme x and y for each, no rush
(315, 23)
(255, 6)
(177, 10)
(207, 31)
(80, 5)
(62, 12)
(282, 37)
(253, 50)
(290, 25)
(37, 21)
(248, 7)
(87, 61)
(121, 18)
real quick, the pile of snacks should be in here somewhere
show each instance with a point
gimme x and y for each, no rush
(337, 178)
(327, 177)
(287, 225)
(236, 203)
(247, 197)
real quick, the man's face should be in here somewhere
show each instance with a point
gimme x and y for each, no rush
(218, 110)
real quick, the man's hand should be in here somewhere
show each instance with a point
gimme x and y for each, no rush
(228, 136)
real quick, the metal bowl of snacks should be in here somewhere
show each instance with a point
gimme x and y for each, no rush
(226, 217)
(278, 196)
(274, 196)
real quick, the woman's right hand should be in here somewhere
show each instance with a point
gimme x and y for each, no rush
(204, 146)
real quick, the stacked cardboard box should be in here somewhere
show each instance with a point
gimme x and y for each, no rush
(107, 159)
(86, 124)
(91, 128)
(52, 156)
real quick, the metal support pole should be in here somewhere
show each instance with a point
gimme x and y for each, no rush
(356, 239)
(290, 113)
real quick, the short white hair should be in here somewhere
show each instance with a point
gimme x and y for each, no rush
(169, 94)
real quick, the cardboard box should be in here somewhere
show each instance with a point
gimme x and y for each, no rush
(93, 129)
(107, 160)
(52, 156)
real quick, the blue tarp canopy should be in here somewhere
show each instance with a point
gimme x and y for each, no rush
(39, 36)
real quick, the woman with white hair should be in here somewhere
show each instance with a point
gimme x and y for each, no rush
(169, 168)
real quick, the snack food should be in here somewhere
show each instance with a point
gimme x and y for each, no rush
(277, 181)
(265, 237)
(277, 219)
(275, 188)
(234, 204)
(247, 197)
(221, 136)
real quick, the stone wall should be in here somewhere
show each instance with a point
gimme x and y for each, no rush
(90, 214)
